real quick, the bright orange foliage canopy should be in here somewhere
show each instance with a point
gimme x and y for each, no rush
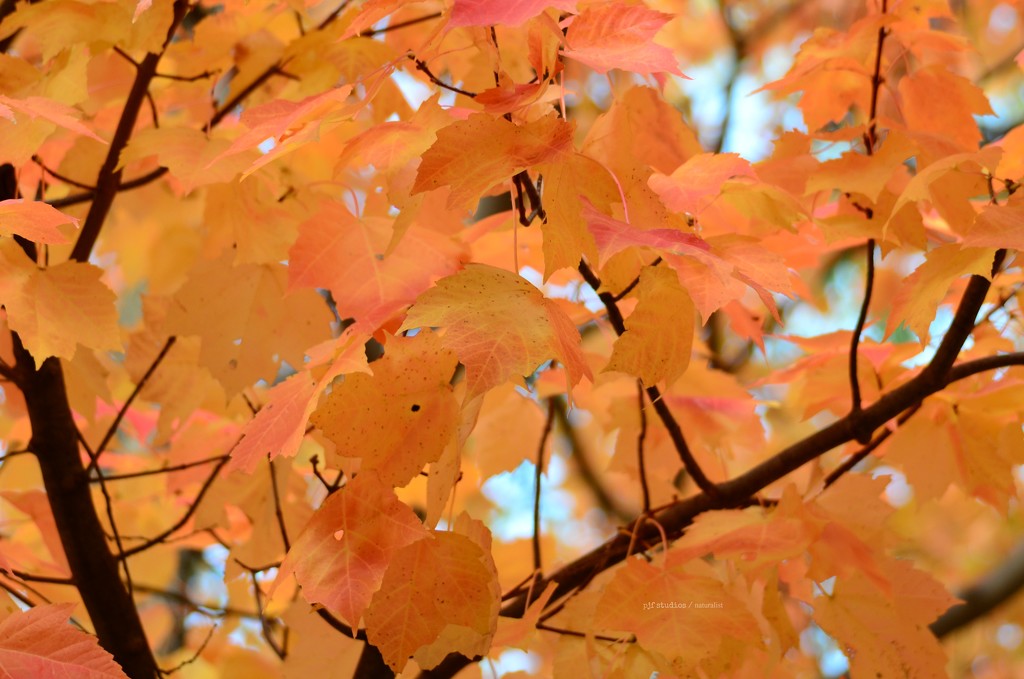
(354, 338)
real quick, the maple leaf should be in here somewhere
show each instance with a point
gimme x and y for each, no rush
(499, 325)
(39, 642)
(438, 596)
(659, 333)
(47, 109)
(492, 12)
(609, 35)
(341, 557)
(886, 633)
(335, 249)
(675, 633)
(33, 220)
(474, 154)
(57, 308)
(244, 317)
(401, 417)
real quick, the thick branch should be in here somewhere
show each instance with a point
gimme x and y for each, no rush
(93, 567)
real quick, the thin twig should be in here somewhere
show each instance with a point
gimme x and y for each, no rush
(422, 66)
(633, 283)
(277, 507)
(863, 434)
(268, 634)
(653, 393)
(128, 402)
(195, 656)
(60, 177)
(401, 24)
(160, 538)
(641, 466)
(538, 472)
(162, 470)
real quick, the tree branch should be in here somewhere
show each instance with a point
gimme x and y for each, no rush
(109, 180)
(985, 595)
(653, 393)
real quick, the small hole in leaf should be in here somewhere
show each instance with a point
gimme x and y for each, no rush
(415, 407)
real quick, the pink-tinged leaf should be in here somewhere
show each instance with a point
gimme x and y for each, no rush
(613, 236)
(33, 220)
(998, 226)
(341, 556)
(282, 119)
(614, 35)
(40, 643)
(278, 427)
(350, 257)
(697, 183)
(503, 12)
(712, 273)
(47, 109)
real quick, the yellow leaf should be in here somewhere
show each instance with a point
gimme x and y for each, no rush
(245, 319)
(55, 309)
(499, 325)
(401, 417)
(659, 333)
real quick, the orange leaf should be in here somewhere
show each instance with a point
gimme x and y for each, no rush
(696, 183)
(669, 610)
(885, 634)
(611, 35)
(500, 326)
(438, 596)
(278, 427)
(341, 556)
(474, 154)
(401, 417)
(33, 220)
(246, 319)
(498, 12)
(39, 642)
(349, 256)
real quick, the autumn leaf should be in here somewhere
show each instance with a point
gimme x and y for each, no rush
(39, 642)
(675, 633)
(438, 596)
(244, 316)
(341, 557)
(277, 428)
(474, 154)
(609, 35)
(499, 326)
(33, 220)
(334, 245)
(659, 333)
(491, 12)
(57, 308)
(886, 633)
(48, 110)
(400, 418)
